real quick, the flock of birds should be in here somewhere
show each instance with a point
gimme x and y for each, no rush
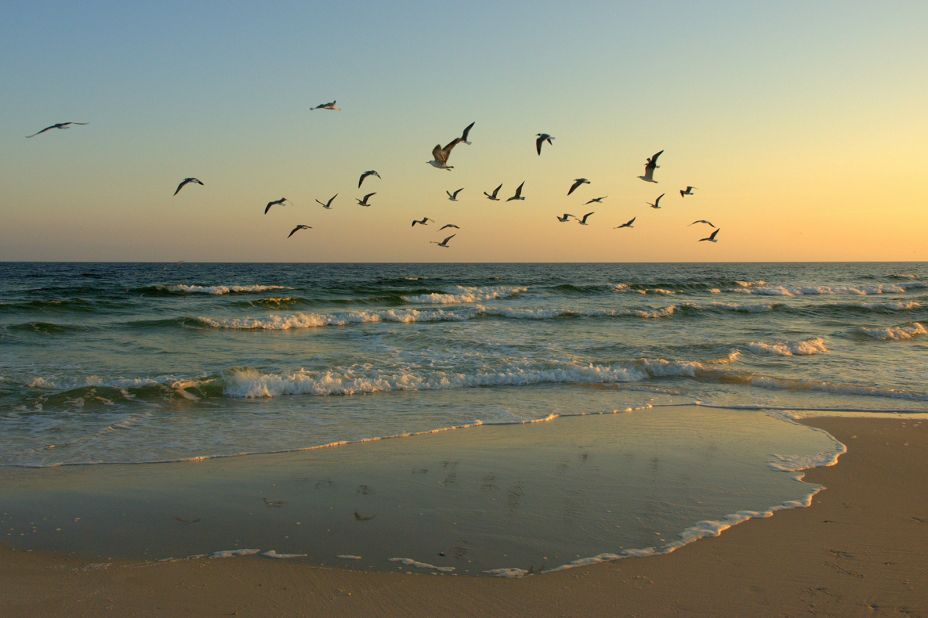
(440, 156)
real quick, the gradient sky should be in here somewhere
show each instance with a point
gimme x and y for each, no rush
(803, 124)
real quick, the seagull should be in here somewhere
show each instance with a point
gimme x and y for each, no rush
(542, 138)
(657, 202)
(298, 228)
(330, 106)
(709, 223)
(466, 131)
(280, 202)
(687, 191)
(365, 175)
(565, 217)
(629, 223)
(454, 196)
(649, 166)
(329, 203)
(492, 196)
(422, 221)
(711, 237)
(57, 125)
(585, 217)
(518, 193)
(596, 200)
(577, 183)
(364, 201)
(440, 155)
(185, 182)
(443, 243)
(449, 225)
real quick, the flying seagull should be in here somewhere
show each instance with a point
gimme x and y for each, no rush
(709, 223)
(280, 202)
(565, 217)
(585, 217)
(443, 243)
(449, 225)
(422, 221)
(649, 166)
(440, 155)
(596, 200)
(492, 196)
(329, 203)
(454, 196)
(542, 138)
(364, 201)
(365, 175)
(711, 237)
(629, 223)
(57, 125)
(518, 193)
(687, 191)
(298, 228)
(185, 182)
(330, 106)
(577, 183)
(657, 202)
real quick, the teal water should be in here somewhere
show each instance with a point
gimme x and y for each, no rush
(106, 363)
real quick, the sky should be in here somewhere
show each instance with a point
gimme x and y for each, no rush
(801, 124)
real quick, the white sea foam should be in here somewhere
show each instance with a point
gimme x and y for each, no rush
(271, 553)
(799, 348)
(466, 294)
(218, 290)
(762, 288)
(422, 565)
(232, 553)
(903, 332)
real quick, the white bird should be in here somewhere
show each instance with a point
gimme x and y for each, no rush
(280, 202)
(440, 155)
(649, 166)
(596, 200)
(449, 225)
(365, 175)
(518, 193)
(330, 106)
(443, 243)
(582, 221)
(329, 203)
(565, 217)
(687, 191)
(492, 196)
(709, 223)
(185, 182)
(629, 223)
(298, 228)
(454, 196)
(57, 125)
(422, 221)
(363, 202)
(657, 202)
(711, 237)
(577, 183)
(542, 138)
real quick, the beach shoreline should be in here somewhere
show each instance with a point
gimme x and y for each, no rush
(853, 552)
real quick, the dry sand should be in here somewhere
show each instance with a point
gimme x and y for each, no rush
(862, 548)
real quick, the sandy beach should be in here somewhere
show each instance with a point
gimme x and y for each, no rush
(856, 551)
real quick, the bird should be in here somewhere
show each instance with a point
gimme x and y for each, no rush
(565, 217)
(185, 182)
(329, 203)
(57, 125)
(443, 243)
(453, 196)
(541, 139)
(440, 155)
(330, 106)
(582, 221)
(577, 183)
(492, 196)
(280, 202)
(711, 237)
(657, 202)
(649, 166)
(298, 228)
(363, 202)
(709, 223)
(466, 131)
(422, 221)
(365, 175)
(596, 200)
(449, 225)
(518, 193)
(629, 223)
(687, 191)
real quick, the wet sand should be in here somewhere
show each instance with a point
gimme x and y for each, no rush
(860, 549)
